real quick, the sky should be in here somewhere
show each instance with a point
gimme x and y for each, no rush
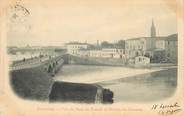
(54, 22)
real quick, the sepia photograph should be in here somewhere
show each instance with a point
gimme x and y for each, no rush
(94, 51)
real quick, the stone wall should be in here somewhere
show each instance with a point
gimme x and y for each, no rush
(35, 82)
(96, 61)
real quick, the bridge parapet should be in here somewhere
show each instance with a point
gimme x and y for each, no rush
(35, 62)
(54, 65)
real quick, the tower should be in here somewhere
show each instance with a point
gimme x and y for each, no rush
(153, 30)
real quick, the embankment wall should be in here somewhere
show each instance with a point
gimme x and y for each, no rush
(34, 82)
(96, 61)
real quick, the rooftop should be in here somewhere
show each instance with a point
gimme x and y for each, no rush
(173, 37)
(76, 43)
(170, 37)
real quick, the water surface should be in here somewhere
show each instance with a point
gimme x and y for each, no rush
(128, 85)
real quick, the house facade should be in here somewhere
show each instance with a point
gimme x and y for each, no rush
(160, 43)
(75, 48)
(171, 50)
(142, 61)
(84, 50)
(139, 46)
(113, 52)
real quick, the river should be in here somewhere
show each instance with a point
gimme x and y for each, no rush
(127, 84)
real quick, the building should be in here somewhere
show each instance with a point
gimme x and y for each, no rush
(113, 52)
(153, 30)
(166, 49)
(87, 50)
(171, 43)
(157, 48)
(139, 46)
(134, 47)
(95, 53)
(107, 53)
(160, 43)
(74, 48)
(142, 61)
(159, 51)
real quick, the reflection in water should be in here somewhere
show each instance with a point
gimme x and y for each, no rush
(147, 87)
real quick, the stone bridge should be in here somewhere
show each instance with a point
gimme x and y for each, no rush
(49, 63)
(30, 79)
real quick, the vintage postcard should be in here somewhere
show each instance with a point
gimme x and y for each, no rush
(91, 57)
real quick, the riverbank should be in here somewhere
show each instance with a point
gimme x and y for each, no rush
(100, 61)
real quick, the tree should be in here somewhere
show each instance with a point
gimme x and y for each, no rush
(106, 44)
(121, 44)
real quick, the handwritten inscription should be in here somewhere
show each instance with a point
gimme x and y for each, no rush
(19, 7)
(167, 109)
(19, 12)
